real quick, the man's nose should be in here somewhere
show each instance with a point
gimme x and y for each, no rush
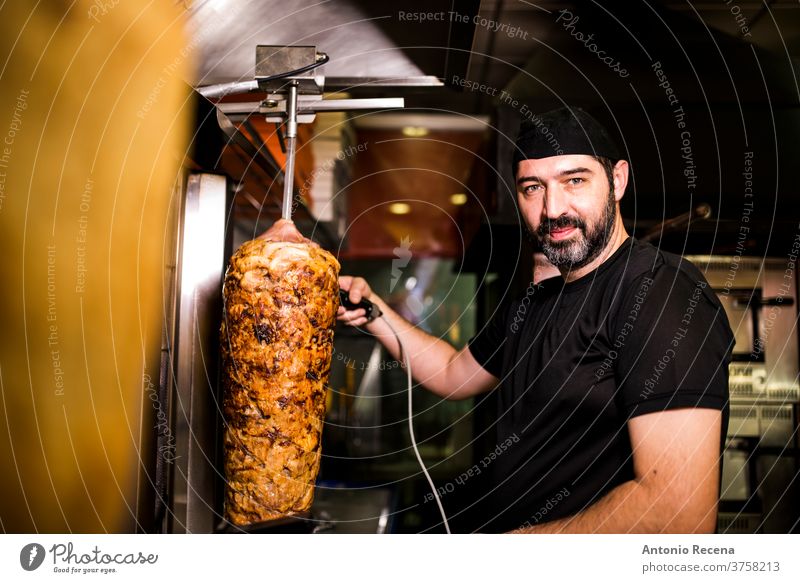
(555, 203)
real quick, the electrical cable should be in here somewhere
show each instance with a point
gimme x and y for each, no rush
(222, 89)
(322, 58)
(406, 361)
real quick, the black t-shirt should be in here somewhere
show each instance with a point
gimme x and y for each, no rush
(643, 332)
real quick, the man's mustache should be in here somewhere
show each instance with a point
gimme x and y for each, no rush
(564, 221)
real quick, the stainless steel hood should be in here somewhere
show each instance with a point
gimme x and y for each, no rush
(363, 40)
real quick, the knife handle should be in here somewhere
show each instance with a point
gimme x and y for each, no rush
(372, 310)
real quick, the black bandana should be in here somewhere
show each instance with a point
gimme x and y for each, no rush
(561, 132)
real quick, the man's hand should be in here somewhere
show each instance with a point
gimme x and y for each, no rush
(358, 290)
(442, 369)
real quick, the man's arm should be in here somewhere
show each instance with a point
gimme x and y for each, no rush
(675, 489)
(442, 369)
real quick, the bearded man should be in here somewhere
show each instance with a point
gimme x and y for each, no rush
(612, 379)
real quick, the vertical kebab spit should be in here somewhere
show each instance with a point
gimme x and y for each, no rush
(281, 294)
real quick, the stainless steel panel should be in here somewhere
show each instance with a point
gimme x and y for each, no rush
(740, 316)
(226, 32)
(356, 510)
(743, 421)
(738, 523)
(200, 271)
(776, 424)
(734, 476)
(777, 323)
(747, 380)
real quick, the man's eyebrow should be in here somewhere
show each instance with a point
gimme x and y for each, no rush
(568, 172)
(528, 179)
(578, 170)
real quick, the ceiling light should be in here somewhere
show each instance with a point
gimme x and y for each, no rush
(458, 199)
(399, 208)
(415, 131)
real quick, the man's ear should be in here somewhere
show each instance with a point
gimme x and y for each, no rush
(620, 179)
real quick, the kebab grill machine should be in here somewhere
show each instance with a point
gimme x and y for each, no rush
(249, 334)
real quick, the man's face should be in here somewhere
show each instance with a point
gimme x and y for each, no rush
(569, 207)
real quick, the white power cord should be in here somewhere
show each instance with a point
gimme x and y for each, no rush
(404, 354)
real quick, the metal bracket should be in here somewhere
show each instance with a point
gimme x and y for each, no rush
(294, 96)
(274, 107)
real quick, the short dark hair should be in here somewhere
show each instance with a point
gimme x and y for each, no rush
(608, 165)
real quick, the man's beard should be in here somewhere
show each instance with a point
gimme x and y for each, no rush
(575, 253)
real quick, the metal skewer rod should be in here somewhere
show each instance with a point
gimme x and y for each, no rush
(291, 142)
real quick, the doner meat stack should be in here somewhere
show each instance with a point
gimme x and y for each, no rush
(281, 295)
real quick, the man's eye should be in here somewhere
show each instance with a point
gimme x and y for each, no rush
(576, 180)
(531, 188)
